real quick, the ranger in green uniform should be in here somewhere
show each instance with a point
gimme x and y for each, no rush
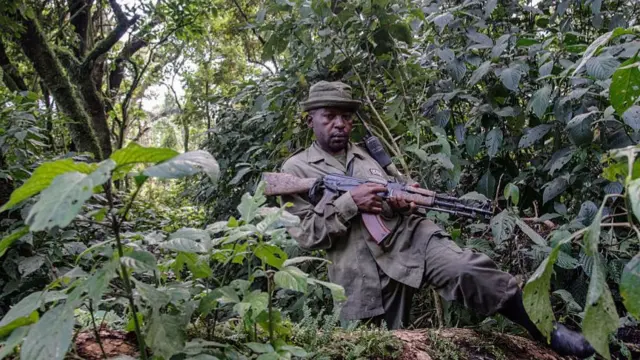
(380, 280)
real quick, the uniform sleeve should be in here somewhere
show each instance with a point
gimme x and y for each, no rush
(321, 225)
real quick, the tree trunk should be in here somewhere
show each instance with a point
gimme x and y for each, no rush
(10, 75)
(37, 49)
(185, 130)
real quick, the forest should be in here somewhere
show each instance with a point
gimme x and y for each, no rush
(134, 135)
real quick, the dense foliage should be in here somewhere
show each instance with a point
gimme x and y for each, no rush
(533, 105)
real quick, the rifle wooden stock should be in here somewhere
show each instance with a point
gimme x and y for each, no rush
(285, 184)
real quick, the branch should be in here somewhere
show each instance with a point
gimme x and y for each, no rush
(111, 39)
(10, 74)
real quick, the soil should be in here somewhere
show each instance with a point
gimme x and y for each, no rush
(114, 342)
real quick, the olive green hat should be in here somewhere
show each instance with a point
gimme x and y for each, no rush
(330, 94)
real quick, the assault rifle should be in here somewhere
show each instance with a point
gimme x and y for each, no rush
(319, 189)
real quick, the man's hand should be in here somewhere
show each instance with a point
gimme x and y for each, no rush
(402, 206)
(366, 197)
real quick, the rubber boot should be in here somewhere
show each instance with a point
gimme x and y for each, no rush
(564, 341)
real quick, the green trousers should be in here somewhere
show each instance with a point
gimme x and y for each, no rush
(458, 275)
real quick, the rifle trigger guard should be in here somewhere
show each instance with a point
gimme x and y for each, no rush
(316, 191)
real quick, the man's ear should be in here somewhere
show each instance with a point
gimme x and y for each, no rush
(309, 118)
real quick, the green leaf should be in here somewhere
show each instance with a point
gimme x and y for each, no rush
(480, 72)
(591, 50)
(579, 129)
(294, 350)
(198, 265)
(634, 198)
(510, 78)
(300, 259)
(502, 226)
(487, 185)
(240, 174)
(532, 234)
(63, 199)
(165, 335)
(534, 134)
(7, 241)
(248, 207)
(554, 188)
(136, 154)
(154, 297)
(20, 322)
(226, 295)
(630, 286)
(559, 159)
(256, 300)
(600, 316)
(540, 101)
(337, 291)
(30, 264)
(260, 348)
(625, 85)
(140, 260)
(442, 160)
(20, 312)
(198, 235)
(602, 67)
(291, 278)
(186, 164)
(473, 144)
(42, 177)
(401, 31)
(443, 20)
(494, 141)
(631, 117)
(457, 69)
(271, 255)
(184, 245)
(512, 192)
(15, 339)
(524, 42)
(536, 294)
(50, 338)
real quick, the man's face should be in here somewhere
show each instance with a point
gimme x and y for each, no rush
(332, 127)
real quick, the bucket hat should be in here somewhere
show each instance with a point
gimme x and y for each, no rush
(330, 94)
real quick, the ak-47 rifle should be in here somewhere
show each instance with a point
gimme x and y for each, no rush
(319, 189)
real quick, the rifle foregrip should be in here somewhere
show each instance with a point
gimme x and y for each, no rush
(285, 184)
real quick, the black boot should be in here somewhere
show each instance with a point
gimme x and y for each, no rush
(565, 342)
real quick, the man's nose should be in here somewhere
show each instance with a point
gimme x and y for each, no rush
(340, 121)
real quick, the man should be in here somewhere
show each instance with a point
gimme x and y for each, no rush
(380, 280)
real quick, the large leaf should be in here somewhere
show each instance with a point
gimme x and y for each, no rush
(184, 245)
(536, 294)
(591, 50)
(559, 159)
(554, 188)
(165, 334)
(600, 316)
(42, 177)
(631, 117)
(630, 286)
(540, 101)
(532, 234)
(7, 241)
(634, 197)
(457, 69)
(186, 164)
(292, 278)
(480, 72)
(140, 261)
(512, 192)
(337, 291)
(15, 339)
(136, 154)
(473, 144)
(271, 255)
(487, 185)
(625, 85)
(502, 226)
(154, 297)
(63, 199)
(49, 338)
(602, 67)
(510, 78)
(534, 134)
(579, 129)
(256, 300)
(443, 20)
(494, 141)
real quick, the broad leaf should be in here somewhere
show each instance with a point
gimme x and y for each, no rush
(63, 199)
(536, 294)
(602, 67)
(631, 117)
(554, 188)
(248, 207)
(259, 348)
(511, 192)
(7, 241)
(546, 69)
(50, 338)
(630, 286)
(165, 334)
(291, 278)
(494, 141)
(634, 197)
(625, 85)
(457, 69)
(154, 297)
(510, 78)
(43, 176)
(271, 255)
(591, 50)
(559, 159)
(502, 226)
(473, 144)
(15, 339)
(140, 261)
(184, 245)
(532, 234)
(540, 101)
(198, 235)
(534, 134)
(300, 259)
(487, 185)
(480, 72)
(443, 20)
(256, 301)
(24, 310)
(186, 164)
(600, 316)
(447, 55)
(136, 154)
(30, 264)
(579, 129)
(337, 291)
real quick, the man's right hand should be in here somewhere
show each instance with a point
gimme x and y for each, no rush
(366, 197)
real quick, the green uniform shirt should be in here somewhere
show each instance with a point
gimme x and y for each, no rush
(338, 228)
